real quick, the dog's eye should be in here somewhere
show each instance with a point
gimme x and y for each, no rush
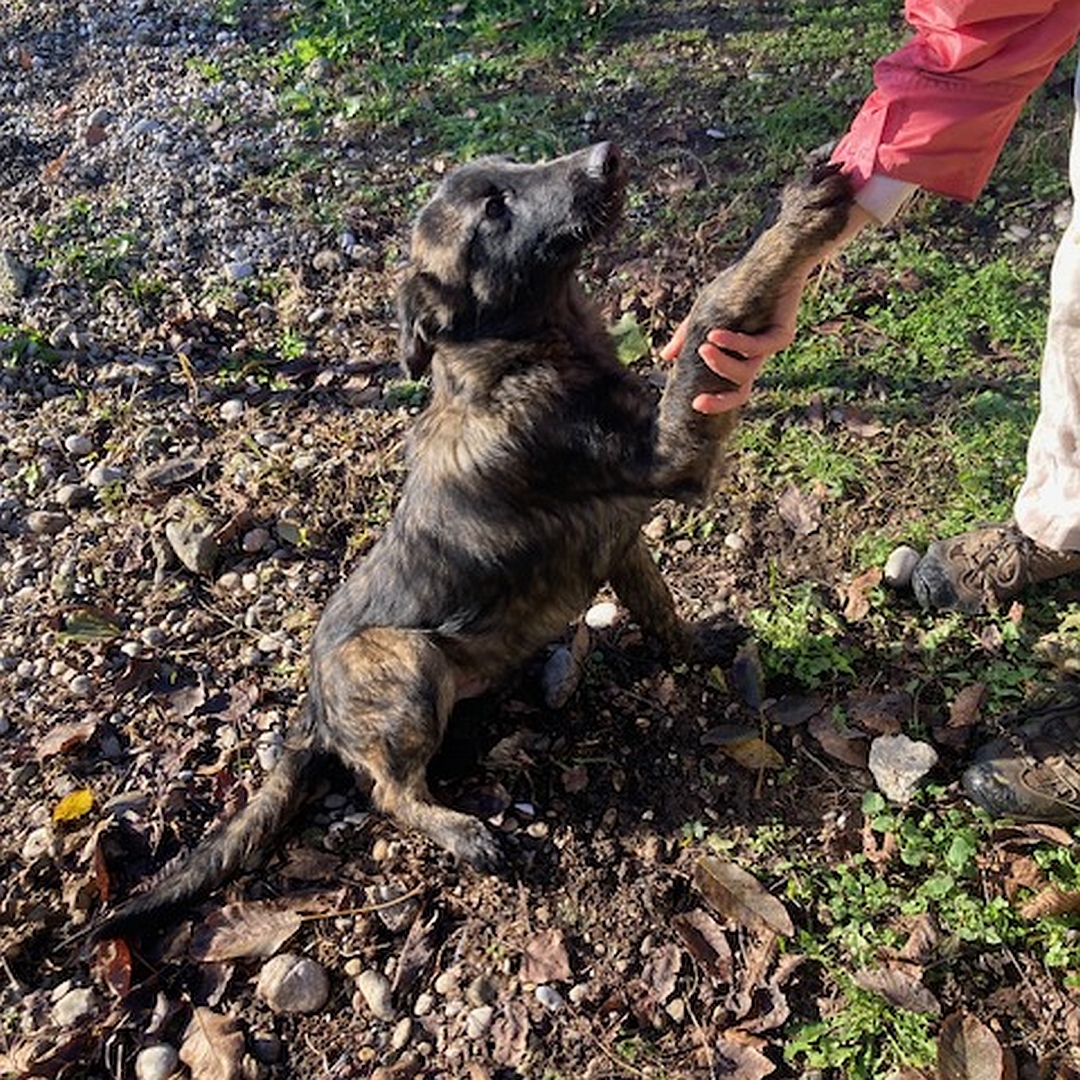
(495, 206)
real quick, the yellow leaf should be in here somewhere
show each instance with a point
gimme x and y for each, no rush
(74, 806)
(754, 754)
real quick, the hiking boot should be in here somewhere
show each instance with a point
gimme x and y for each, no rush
(993, 564)
(1033, 773)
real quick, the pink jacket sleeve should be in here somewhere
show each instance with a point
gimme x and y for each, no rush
(945, 102)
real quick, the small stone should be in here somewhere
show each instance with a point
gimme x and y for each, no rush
(73, 496)
(446, 982)
(81, 686)
(255, 540)
(289, 983)
(478, 1022)
(194, 545)
(266, 1047)
(269, 748)
(239, 271)
(47, 522)
(900, 566)
(656, 529)
(550, 998)
(735, 542)
(424, 1004)
(481, 991)
(78, 445)
(101, 475)
(899, 764)
(40, 841)
(156, 1062)
(601, 616)
(232, 410)
(401, 1035)
(374, 987)
(14, 277)
(74, 1006)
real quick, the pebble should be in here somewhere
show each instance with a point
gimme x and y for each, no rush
(255, 540)
(266, 1047)
(550, 998)
(374, 987)
(78, 445)
(231, 410)
(289, 983)
(424, 1004)
(481, 991)
(156, 1062)
(602, 616)
(900, 566)
(81, 686)
(239, 271)
(47, 522)
(14, 276)
(39, 841)
(269, 748)
(478, 1022)
(735, 542)
(101, 475)
(402, 1034)
(899, 764)
(194, 545)
(72, 496)
(74, 1006)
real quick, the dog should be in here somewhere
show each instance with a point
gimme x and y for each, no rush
(530, 473)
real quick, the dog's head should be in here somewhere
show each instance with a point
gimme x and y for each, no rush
(497, 231)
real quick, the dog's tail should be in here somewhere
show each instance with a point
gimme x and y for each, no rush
(238, 845)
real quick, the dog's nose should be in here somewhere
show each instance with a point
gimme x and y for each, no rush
(603, 161)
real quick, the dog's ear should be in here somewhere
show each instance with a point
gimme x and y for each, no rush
(425, 309)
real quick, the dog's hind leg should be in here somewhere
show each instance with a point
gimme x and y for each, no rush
(387, 696)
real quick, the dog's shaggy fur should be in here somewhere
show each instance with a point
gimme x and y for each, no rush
(530, 474)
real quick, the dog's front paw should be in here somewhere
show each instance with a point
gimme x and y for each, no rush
(817, 207)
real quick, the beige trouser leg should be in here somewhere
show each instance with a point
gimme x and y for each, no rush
(1048, 505)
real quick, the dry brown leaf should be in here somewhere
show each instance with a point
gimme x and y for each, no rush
(800, 512)
(416, 954)
(111, 964)
(707, 943)
(901, 988)
(881, 714)
(545, 959)
(740, 1055)
(922, 942)
(740, 897)
(969, 1050)
(842, 743)
(510, 1035)
(855, 594)
(661, 971)
(1051, 901)
(754, 754)
(859, 422)
(249, 929)
(966, 708)
(213, 1046)
(65, 737)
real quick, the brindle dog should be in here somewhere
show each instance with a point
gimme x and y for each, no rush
(530, 474)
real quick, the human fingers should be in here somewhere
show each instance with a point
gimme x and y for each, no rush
(761, 345)
(672, 349)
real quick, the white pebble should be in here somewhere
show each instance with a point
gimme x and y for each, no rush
(78, 445)
(402, 1034)
(601, 616)
(478, 1022)
(550, 998)
(231, 410)
(74, 1006)
(157, 1062)
(293, 984)
(374, 987)
(900, 566)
